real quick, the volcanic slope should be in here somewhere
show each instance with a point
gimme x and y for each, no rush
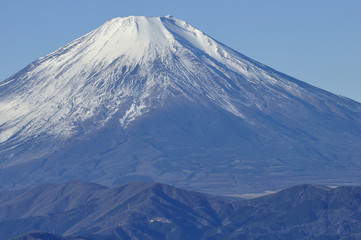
(155, 99)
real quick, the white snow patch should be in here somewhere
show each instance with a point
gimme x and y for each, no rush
(8, 133)
(161, 220)
(252, 195)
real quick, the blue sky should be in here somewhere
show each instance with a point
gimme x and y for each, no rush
(316, 41)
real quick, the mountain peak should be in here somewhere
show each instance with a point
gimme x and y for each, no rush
(154, 97)
(71, 84)
(136, 35)
(135, 31)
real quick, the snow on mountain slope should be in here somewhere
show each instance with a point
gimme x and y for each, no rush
(123, 72)
(70, 84)
(74, 82)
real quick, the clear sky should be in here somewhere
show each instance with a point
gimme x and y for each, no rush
(316, 41)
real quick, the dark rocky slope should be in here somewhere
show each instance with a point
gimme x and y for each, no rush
(80, 210)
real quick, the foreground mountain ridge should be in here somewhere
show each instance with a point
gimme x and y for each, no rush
(156, 99)
(81, 210)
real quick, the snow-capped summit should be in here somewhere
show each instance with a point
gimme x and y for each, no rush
(156, 98)
(103, 70)
(70, 84)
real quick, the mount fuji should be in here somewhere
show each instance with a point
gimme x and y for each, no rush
(155, 99)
